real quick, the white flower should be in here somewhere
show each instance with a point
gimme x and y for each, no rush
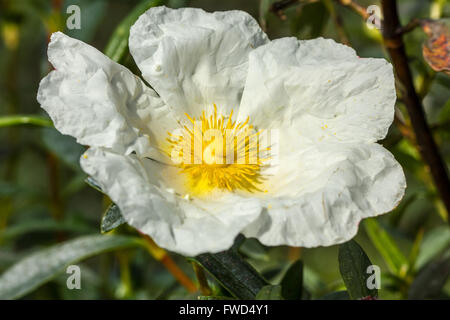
(330, 107)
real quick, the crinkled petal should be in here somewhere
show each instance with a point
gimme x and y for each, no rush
(321, 196)
(143, 190)
(100, 102)
(321, 87)
(193, 58)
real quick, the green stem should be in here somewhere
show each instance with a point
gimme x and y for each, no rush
(15, 120)
(125, 289)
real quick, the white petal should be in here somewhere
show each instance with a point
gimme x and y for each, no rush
(100, 102)
(193, 58)
(147, 195)
(323, 206)
(320, 87)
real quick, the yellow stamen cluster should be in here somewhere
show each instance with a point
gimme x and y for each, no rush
(218, 153)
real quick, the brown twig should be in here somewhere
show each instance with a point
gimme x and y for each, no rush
(427, 146)
(414, 23)
(441, 126)
(405, 130)
(338, 22)
(279, 6)
(181, 277)
(282, 5)
(355, 7)
(163, 257)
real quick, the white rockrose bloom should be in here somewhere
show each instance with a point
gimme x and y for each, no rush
(216, 77)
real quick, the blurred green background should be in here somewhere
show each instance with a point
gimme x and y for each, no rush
(44, 199)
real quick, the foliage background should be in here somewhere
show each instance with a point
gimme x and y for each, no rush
(44, 199)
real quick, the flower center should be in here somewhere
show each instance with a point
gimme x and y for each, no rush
(216, 152)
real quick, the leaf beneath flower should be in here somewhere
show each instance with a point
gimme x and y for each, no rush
(112, 218)
(353, 264)
(270, 293)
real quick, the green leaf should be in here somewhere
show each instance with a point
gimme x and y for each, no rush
(8, 189)
(233, 273)
(177, 3)
(270, 292)
(434, 242)
(309, 20)
(117, 47)
(65, 147)
(312, 280)
(431, 279)
(42, 266)
(264, 12)
(444, 113)
(253, 249)
(386, 246)
(292, 282)
(414, 253)
(338, 295)
(214, 298)
(41, 225)
(353, 264)
(396, 215)
(112, 218)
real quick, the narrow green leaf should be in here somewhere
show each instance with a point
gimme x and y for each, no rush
(112, 218)
(43, 225)
(444, 113)
(233, 273)
(353, 264)
(395, 260)
(43, 265)
(253, 249)
(64, 146)
(214, 298)
(414, 253)
(270, 292)
(396, 215)
(431, 279)
(312, 281)
(117, 47)
(292, 282)
(309, 20)
(16, 120)
(434, 242)
(264, 12)
(338, 295)
(238, 242)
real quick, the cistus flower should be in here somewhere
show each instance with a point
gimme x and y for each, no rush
(220, 71)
